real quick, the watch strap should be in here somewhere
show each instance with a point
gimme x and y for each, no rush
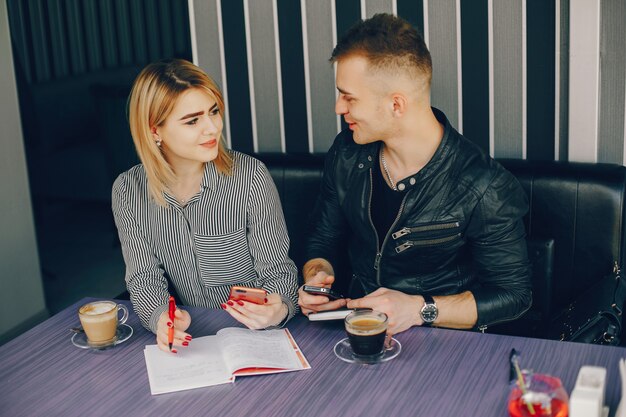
(428, 299)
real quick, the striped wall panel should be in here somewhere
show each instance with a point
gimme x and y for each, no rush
(347, 12)
(319, 38)
(370, 7)
(501, 71)
(506, 72)
(507, 87)
(475, 71)
(584, 77)
(443, 42)
(561, 91)
(292, 71)
(612, 81)
(208, 33)
(75, 38)
(263, 46)
(236, 63)
(57, 39)
(541, 75)
(531, 79)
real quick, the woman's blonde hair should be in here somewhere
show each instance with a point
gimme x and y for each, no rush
(152, 98)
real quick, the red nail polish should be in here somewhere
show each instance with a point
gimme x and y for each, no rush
(185, 343)
(266, 300)
(224, 306)
(169, 324)
(230, 303)
(174, 351)
(187, 337)
(240, 303)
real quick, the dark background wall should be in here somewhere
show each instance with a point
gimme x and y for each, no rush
(20, 282)
(74, 63)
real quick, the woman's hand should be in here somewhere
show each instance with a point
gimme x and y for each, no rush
(258, 316)
(182, 320)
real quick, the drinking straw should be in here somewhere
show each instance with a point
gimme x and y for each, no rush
(520, 379)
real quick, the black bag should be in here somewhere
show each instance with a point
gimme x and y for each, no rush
(595, 317)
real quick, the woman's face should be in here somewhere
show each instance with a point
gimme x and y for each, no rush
(191, 133)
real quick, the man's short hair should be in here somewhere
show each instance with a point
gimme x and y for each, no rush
(389, 43)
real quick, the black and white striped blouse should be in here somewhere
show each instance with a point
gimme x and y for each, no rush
(231, 233)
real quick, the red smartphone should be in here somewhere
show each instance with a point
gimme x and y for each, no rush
(253, 295)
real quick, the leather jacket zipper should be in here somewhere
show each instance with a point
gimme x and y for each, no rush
(379, 251)
(425, 242)
(425, 228)
(369, 215)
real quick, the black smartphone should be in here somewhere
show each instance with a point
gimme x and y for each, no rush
(328, 292)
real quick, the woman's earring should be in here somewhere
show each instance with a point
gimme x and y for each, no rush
(158, 142)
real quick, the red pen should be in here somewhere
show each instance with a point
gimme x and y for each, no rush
(170, 333)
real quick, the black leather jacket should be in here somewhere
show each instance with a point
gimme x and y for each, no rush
(459, 227)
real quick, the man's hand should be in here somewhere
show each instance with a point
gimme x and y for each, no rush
(313, 303)
(402, 309)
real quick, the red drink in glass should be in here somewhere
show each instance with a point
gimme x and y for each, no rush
(543, 396)
(518, 408)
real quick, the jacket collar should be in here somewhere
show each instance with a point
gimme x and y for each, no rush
(369, 155)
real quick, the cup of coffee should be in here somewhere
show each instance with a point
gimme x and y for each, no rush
(100, 319)
(366, 332)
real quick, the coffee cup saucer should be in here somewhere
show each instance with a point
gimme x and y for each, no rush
(124, 332)
(344, 351)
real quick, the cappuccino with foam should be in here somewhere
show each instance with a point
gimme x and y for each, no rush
(99, 320)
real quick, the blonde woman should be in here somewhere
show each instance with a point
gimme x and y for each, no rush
(195, 216)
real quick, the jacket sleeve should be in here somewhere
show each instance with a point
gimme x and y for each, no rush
(145, 278)
(268, 241)
(327, 225)
(499, 252)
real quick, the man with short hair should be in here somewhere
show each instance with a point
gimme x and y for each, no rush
(433, 225)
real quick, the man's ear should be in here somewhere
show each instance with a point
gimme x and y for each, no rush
(399, 104)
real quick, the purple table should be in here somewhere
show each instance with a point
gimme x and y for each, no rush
(439, 373)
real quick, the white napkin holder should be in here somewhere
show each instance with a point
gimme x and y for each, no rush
(587, 398)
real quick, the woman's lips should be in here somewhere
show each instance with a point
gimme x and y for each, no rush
(209, 144)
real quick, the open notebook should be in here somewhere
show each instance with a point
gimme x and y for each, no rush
(213, 360)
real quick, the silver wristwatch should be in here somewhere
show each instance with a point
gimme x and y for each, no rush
(429, 311)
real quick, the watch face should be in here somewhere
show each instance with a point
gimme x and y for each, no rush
(429, 313)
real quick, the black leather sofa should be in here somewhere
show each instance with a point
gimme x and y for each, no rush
(575, 226)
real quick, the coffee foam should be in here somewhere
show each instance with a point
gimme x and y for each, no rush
(369, 332)
(366, 327)
(94, 309)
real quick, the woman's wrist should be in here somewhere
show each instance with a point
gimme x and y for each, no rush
(284, 314)
(283, 317)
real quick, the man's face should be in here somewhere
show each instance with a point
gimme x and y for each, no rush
(362, 105)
